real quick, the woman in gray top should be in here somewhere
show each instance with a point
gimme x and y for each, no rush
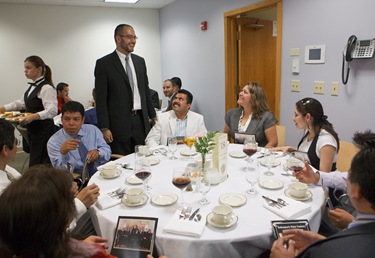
(252, 117)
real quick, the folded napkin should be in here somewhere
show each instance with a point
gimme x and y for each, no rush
(106, 201)
(185, 227)
(293, 210)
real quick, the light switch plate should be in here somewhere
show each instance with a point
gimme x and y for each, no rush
(296, 85)
(335, 89)
(319, 87)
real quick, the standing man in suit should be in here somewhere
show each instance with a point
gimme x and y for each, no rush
(358, 239)
(178, 122)
(123, 102)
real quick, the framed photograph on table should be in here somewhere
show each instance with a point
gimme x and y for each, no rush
(134, 237)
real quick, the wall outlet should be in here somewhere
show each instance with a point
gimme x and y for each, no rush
(335, 89)
(319, 87)
(296, 85)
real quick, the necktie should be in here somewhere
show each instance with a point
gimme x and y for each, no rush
(129, 72)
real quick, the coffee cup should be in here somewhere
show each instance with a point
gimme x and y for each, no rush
(222, 214)
(298, 189)
(108, 170)
(134, 195)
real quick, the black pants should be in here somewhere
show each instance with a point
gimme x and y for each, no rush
(137, 138)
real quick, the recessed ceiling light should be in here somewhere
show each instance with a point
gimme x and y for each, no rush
(121, 1)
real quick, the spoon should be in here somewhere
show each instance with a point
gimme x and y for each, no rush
(282, 202)
(198, 218)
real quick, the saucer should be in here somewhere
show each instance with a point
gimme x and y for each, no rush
(133, 180)
(117, 174)
(188, 152)
(153, 161)
(275, 164)
(233, 199)
(272, 184)
(164, 199)
(305, 198)
(218, 225)
(144, 199)
(237, 154)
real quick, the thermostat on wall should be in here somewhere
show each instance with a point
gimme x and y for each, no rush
(315, 54)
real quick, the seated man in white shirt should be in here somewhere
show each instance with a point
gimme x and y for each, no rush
(8, 150)
(179, 121)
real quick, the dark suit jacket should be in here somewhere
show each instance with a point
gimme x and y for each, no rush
(356, 242)
(114, 97)
(155, 98)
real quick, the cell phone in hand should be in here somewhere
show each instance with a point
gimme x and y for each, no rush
(329, 202)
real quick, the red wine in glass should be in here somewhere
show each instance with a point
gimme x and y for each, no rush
(181, 182)
(249, 151)
(143, 175)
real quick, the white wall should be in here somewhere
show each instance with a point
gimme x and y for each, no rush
(70, 39)
(198, 57)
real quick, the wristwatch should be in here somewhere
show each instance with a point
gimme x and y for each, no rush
(98, 152)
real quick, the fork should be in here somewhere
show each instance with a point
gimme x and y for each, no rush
(273, 204)
(183, 212)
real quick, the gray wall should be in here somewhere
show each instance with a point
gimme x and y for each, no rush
(198, 57)
(70, 39)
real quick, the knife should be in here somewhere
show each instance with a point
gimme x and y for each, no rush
(272, 200)
(193, 215)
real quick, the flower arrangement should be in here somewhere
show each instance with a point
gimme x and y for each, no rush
(204, 144)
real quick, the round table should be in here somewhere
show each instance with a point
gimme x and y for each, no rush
(249, 237)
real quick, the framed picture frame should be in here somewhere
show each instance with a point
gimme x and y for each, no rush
(134, 237)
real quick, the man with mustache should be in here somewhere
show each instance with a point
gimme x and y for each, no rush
(179, 121)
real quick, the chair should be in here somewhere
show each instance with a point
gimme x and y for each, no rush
(115, 156)
(281, 135)
(23, 131)
(346, 153)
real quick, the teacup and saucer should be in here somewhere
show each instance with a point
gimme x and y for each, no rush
(298, 191)
(222, 216)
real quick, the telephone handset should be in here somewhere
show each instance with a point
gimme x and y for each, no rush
(356, 49)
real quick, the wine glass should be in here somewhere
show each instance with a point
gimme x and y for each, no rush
(172, 146)
(249, 148)
(204, 188)
(269, 160)
(295, 164)
(142, 168)
(189, 141)
(252, 176)
(180, 179)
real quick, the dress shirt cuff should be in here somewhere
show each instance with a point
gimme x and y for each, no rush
(80, 208)
(65, 158)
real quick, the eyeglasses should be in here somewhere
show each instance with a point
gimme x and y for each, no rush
(129, 36)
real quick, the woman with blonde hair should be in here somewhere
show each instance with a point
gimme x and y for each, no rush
(253, 117)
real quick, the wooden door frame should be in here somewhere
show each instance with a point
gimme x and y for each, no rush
(230, 34)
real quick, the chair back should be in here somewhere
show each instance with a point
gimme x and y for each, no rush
(281, 135)
(346, 153)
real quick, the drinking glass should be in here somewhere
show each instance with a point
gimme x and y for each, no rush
(252, 176)
(142, 167)
(269, 160)
(204, 188)
(172, 146)
(180, 179)
(189, 141)
(249, 148)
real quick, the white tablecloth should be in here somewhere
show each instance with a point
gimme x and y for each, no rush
(248, 238)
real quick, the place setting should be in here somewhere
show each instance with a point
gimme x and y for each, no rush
(111, 198)
(134, 197)
(109, 171)
(222, 216)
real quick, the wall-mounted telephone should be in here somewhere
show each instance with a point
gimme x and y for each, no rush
(356, 49)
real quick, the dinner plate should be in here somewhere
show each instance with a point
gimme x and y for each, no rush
(164, 199)
(218, 225)
(125, 201)
(233, 199)
(153, 161)
(117, 174)
(305, 198)
(271, 183)
(237, 154)
(275, 164)
(133, 180)
(188, 152)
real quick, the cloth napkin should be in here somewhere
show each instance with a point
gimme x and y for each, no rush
(106, 201)
(293, 210)
(185, 227)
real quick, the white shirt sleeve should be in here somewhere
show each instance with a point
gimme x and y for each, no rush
(18, 104)
(48, 96)
(334, 179)
(80, 209)
(324, 139)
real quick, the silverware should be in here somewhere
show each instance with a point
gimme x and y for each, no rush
(198, 218)
(126, 166)
(272, 202)
(193, 215)
(183, 212)
(282, 202)
(187, 214)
